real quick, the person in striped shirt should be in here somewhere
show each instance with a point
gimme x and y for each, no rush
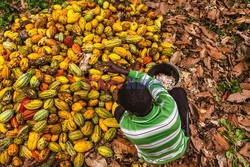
(150, 117)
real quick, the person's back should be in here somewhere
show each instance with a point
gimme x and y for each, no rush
(153, 126)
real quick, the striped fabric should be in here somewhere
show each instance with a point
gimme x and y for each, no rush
(157, 136)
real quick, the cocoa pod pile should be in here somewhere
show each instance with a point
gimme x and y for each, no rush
(54, 95)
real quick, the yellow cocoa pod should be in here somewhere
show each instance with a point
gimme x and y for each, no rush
(105, 58)
(142, 29)
(117, 27)
(33, 104)
(105, 151)
(73, 17)
(98, 46)
(83, 146)
(24, 64)
(88, 26)
(94, 71)
(4, 157)
(62, 79)
(71, 125)
(55, 147)
(64, 114)
(118, 79)
(82, 23)
(87, 129)
(93, 59)
(89, 113)
(77, 107)
(96, 135)
(114, 57)
(88, 37)
(153, 28)
(111, 122)
(61, 105)
(93, 102)
(102, 125)
(5, 72)
(32, 140)
(34, 56)
(93, 94)
(79, 160)
(120, 51)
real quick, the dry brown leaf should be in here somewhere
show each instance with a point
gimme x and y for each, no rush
(203, 53)
(96, 160)
(191, 29)
(245, 85)
(203, 94)
(219, 139)
(210, 35)
(153, 5)
(199, 71)
(205, 114)
(239, 96)
(226, 50)
(207, 62)
(197, 143)
(193, 130)
(225, 40)
(114, 164)
(187, 62)
(233, 120)
(245, 36)
(245, 122)
(125, 145)
(164, 8)
(240, 20)
(216, 55)
(245, 151)
(238, 69)
(212, 14)
(176, 57)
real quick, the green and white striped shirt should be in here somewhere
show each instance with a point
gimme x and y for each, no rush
(157, 136)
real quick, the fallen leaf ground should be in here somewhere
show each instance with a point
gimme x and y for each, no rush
(212, 40)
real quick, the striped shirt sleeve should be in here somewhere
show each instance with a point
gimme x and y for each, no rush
(157, 90)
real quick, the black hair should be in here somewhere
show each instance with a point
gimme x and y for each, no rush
(135, 98)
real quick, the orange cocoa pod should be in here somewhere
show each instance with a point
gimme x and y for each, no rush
(13, 149)
(147, 59)
(13, 122)
(76, 48)
(108, 105)
(35, 155)
(47, 136)
(28, 114)
(50, 42)
(44, 86)
(36, 38)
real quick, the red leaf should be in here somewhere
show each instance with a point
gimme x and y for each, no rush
(239, 96)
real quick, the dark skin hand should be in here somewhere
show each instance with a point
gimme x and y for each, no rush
(111, 67)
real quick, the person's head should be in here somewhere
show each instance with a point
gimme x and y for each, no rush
(135, 98)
